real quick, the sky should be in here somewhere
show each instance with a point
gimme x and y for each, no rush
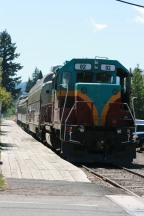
(50, 32)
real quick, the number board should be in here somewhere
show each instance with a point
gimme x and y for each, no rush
(83, 66)
(106, 67)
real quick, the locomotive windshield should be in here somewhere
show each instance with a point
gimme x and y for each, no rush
(104, 78)
(86, 77)
(89, 77)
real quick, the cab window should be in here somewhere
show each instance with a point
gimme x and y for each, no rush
(66, 79)
(84, 77)
(104, 78)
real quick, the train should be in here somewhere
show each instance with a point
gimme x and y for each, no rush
(82, 110)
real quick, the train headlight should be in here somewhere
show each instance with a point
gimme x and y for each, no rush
(81, 128)
(135, 136)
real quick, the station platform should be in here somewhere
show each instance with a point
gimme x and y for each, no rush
(24, 157)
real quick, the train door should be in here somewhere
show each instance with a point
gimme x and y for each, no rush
(124, 79)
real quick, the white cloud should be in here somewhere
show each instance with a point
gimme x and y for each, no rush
(140, 10)
(139, 19)
(97, 26)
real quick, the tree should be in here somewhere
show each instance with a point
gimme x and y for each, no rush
(9, 68)
(0, 71)
(138, 91)
(29, 85)
(5, 97)
(37, 74)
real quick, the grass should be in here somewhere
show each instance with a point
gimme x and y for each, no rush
(2, 182)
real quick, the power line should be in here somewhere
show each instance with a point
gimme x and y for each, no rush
(130, 3)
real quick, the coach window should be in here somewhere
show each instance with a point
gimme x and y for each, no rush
(66, 79)
(85, 77)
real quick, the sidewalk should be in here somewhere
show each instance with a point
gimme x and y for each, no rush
(25, 157)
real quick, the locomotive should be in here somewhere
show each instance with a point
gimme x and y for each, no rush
(82, 110)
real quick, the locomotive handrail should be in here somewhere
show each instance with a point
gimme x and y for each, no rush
(63, 106)
(130, 111)
(127, 107)
(71, 112)
(133, 117)
(101, 57)
(67, 119)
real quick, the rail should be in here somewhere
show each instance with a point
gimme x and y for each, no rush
(104, 178)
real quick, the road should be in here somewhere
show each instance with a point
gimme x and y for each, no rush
(39, 197)
(9, 208)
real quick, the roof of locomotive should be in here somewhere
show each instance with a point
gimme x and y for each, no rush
(93, 62)
(68, 65)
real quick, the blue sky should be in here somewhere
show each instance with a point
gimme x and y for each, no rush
(49, 32)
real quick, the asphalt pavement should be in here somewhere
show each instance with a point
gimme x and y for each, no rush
(25, 197)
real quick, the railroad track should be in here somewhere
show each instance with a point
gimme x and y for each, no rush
(121, 177)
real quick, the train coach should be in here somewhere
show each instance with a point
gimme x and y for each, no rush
(22, 107)
(82, 110)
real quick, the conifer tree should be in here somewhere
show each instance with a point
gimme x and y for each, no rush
(5, 97)
(9, 67)
(29, 85)
(37, 74)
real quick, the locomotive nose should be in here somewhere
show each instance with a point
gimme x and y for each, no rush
(97, 96)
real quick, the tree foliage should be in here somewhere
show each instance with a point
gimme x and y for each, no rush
(37, 74)
(9, 67)
(6, 99)
(138, 92)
